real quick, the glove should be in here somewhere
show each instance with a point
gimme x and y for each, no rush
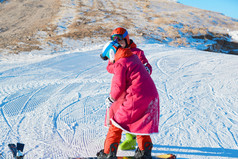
(109, 50)
(108, 102)
(147, 68)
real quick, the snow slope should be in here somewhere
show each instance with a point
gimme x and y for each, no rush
(54, 103)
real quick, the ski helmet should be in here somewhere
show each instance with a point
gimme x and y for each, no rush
(120, 34)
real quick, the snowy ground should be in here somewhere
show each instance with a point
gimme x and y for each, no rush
(54, 103)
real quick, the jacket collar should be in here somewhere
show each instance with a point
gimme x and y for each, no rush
(132, 44)
(122, 53)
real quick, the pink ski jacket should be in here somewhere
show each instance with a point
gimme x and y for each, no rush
(136, 107)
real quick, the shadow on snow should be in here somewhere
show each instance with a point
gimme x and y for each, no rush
(198, 151)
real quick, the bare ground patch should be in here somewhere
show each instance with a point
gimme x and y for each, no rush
(20, 20)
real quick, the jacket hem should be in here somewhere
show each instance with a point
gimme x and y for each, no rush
(118, 126)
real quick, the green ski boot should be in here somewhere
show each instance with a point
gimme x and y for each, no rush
(129, 143)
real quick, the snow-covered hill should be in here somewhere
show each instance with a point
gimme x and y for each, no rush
(54, 103)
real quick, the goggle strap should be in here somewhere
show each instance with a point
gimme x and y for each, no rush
(125, 34)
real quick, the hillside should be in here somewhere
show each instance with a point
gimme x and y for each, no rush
(35, 25)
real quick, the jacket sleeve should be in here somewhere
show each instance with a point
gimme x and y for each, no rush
(144, 60)
(110, 67)
(118, 85)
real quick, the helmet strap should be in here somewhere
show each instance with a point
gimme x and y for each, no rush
(126, 43)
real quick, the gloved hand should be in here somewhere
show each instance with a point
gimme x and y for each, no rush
(147, 69)
(108, 102)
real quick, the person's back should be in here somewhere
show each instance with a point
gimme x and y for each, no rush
(131, 76)
(137, 77)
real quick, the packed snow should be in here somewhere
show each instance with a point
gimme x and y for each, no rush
(234, 36)
(54, 102)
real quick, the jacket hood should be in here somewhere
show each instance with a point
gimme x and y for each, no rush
(132, 45)
(123, 52)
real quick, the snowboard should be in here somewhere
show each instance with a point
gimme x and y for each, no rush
(164, 156)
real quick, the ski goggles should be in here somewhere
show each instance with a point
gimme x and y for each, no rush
(117, 37)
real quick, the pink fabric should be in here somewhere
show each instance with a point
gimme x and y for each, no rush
(142, 57)
(140, 54)
(113, 109)
(136, 109)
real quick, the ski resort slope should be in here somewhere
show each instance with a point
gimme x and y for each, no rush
(54, 103)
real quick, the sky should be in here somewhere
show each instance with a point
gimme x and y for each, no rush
(227, 7)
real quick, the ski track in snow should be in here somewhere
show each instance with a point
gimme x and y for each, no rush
(56, 106)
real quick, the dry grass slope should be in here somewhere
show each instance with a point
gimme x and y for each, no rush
(167, 22)
(20, 20)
